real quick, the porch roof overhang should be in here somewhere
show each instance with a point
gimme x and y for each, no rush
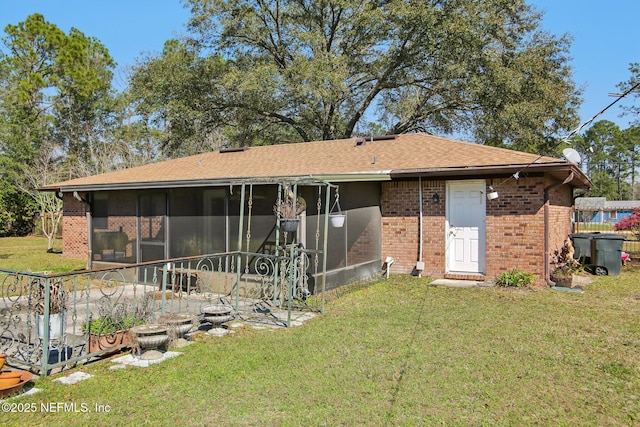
(384, 175)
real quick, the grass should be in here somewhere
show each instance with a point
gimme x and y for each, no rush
(30, 254)
(397, 352)
(586, 227)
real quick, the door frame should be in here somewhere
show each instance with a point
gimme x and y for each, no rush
(482, 232)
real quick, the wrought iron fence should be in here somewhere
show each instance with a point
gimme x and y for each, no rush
(54, 321)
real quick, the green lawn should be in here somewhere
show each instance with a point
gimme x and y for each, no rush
(398, 352)
(587, 227)
(30, 254)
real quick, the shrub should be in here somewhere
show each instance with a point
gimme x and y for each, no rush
(515, 278)
(110, 324)
(565, 264)
(631, 223)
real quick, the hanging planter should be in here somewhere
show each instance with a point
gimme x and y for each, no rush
(336, 217)
(288, 210)
(289, 224)
(337, 220)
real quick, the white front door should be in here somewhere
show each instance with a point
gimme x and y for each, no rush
(466, 212)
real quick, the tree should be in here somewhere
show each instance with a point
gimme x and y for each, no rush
(83, 107)
(631, 223)
(632, 85)
(608, 159)
(27, 72)
(178, 94)
(632, 141)
(54, 102)
(298, 70)
(45, 170)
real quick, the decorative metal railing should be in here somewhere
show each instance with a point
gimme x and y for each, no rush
(53, 321)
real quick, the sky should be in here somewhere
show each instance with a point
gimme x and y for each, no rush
(605, 40)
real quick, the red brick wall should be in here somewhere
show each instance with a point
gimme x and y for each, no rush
(400, 228)
(515, 228)
(514, 225)
(74, 228)
(560, 207)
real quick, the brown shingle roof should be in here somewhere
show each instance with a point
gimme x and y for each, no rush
(409, 153)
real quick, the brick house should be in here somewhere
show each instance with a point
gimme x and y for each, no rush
(427, 202)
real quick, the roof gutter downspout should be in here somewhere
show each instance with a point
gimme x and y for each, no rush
(547, 272)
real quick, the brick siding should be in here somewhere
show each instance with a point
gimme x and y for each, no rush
(560, 207)
(514, 226)
(400, 228)
(74, 228)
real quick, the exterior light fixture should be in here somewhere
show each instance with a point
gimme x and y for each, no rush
(492, 194)
(435, 198)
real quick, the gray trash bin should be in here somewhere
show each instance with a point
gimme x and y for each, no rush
(582, 245)
(606, 253)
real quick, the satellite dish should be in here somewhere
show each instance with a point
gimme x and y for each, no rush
(571, 155)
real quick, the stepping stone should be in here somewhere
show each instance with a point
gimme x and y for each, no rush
(73, 378)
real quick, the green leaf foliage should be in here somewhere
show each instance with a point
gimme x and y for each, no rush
(55, 107)
(608, 157)
(282, 71)
(515, 278)
(110, 324)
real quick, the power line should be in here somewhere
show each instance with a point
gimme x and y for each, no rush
(619, 97)
(516, 175)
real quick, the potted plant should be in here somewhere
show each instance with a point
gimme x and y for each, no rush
(288, 210)
(567, 270)
(179, 324)
(336, 217)
(108, 331)
(57, 306)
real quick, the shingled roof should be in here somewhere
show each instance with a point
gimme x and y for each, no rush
(352, 159)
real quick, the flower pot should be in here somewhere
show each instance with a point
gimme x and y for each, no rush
(9, 378)
(8, 381)
(217, 314)
(289, 224)
(563, 281)
(10, 374)
(98, 342)
(181, 327)
(574, 281)
(149, 337)
(152, 341)
(57, 325)
(337, 220)
(23, 378)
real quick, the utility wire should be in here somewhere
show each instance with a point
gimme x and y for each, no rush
(516, 175)
(619, 97)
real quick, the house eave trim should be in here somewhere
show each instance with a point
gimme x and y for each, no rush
(156, 185)
(504, 170)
